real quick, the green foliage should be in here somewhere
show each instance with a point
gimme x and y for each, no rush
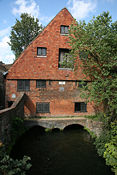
(101, 141)
(97, 40)
(106, 146)
(23, 32)
(67, 61)
(94, 117)
(48, 130)
(17, 128)
(90, 132)
(8, 166)
(110, 153)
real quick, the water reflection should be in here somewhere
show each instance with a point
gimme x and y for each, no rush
(68, 152)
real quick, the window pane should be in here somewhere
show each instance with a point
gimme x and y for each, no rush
(42, 107)
(39, 107)
(44, 51)
(77, 107)
(41, 83)
(19, 85)
(27, 85)
(62, 29)
(80, 107)
(66, 30)
(46, 107)
(83, 107)
(39, 51)
(62, 54)
(23, 85)
(64, 58)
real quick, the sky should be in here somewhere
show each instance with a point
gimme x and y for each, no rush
(45, 11)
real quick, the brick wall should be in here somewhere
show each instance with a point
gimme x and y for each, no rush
(32, 67)
(61, 102)
(6, 116)
(2, 92)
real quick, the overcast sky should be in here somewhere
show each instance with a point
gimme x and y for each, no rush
(45, 10)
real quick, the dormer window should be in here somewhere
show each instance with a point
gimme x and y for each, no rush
(64, 30)
(41, 51)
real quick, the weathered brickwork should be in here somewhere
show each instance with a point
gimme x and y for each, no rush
(2, 91)
(6, 117)
(60, 96)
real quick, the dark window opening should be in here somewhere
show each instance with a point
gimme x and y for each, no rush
(23, 85)
(41, 83)
(80, 107)
(50, 82)
(64, 29)
(65, 59)
(42, 107)
(41, 51)
(10, 103)
(82, 83)
(76, 83)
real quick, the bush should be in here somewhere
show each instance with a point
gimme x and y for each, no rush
(110, 153)
(101, 141)
(8, 166)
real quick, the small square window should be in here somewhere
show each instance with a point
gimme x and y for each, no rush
(42, 107)
(41, 83)
(80, 107)
(41, 51)
(64, 29)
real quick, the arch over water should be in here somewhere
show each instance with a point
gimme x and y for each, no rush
(73, 126)
(61, 123)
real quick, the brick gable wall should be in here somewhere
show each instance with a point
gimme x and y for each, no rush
(29, 66)
(32, 67)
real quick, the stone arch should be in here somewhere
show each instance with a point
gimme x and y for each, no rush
(73, 126)
(93, 126)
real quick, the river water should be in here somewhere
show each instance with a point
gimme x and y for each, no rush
(68, 152)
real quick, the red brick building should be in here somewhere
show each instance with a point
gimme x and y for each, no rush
(52, 89)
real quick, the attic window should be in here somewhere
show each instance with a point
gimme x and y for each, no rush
(64, 30)
(41, 51)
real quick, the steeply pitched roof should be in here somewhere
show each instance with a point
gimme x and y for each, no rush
(29, 66)
(64, 9)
